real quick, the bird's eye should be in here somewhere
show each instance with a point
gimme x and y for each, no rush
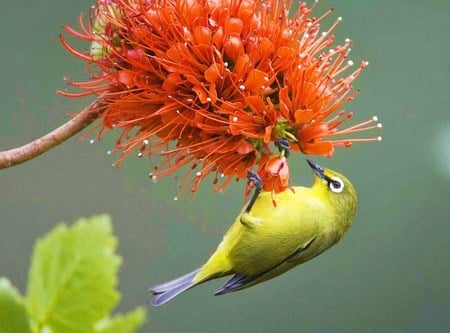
(336, 185)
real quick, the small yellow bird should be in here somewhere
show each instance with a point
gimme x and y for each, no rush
(266, 241)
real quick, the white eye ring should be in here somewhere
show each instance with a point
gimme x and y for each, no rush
(336, 185)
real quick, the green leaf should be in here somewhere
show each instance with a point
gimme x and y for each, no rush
(73, 276)
(13, 314)
(122, 323)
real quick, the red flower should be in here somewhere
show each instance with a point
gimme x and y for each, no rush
(210, 84)
(274, 174)
(313, 108)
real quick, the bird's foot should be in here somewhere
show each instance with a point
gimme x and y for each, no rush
(254, 180)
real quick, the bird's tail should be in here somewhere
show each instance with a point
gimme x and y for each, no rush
(164, 292)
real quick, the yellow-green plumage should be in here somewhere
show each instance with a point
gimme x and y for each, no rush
(269, 240)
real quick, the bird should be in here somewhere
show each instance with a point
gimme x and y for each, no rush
(267, 240)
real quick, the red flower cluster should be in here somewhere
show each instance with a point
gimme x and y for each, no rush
(210, 84)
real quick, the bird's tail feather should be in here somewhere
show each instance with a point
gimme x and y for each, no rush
(166, 291)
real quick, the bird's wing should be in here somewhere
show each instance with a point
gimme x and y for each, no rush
(239, 281)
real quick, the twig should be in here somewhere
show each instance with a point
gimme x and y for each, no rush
(15, 156)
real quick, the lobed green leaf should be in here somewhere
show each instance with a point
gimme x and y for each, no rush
(13, 314)
(73, 276)
(127, 323)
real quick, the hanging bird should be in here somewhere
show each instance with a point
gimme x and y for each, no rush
(266, 240)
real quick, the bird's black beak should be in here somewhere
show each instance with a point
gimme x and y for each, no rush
(317, 169)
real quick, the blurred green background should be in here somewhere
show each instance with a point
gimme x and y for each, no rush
(390, 274)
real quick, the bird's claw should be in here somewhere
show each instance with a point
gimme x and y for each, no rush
(254, 180)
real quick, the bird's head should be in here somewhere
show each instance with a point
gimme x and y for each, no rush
(335, 188)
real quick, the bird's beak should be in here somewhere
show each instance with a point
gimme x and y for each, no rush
(318, 170)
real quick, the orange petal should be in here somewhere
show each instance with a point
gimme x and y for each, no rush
(171, 82)
(255, 81)
(255, 103)
(218, 38)
(126, 77)
(244, 148)
(212, 93)
(303, 116)
(212, 74)
(233, 26)
(202, 35)
(201, 93)
(241, 65)
(314, 131)
(268, 134)
(174, 53)
(285, 102)
(266, 47)
(317, 148)
(233, 47)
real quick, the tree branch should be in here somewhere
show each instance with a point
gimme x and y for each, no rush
(15, 156)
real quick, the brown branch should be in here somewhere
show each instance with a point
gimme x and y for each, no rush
(15, 156)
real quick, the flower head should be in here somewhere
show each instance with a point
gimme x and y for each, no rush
(209, 85)
(274, 174)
